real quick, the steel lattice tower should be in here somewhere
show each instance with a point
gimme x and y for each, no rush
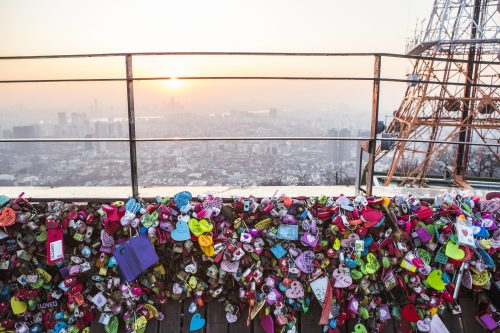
(448, 101)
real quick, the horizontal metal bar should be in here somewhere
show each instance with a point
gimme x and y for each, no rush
(268, 54)
(243, 138)
(304, 78)
(174, 139)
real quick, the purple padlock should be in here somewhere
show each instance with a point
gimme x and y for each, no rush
(254, 232)
(273, 296)
(383, 312)
(309, 239)
(289, 219)
(353, 305)
(424, 235)
(135, 256)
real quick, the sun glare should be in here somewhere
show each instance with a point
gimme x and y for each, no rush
(174, 83)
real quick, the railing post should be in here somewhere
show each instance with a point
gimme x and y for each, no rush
(373, 130)
(131, 125)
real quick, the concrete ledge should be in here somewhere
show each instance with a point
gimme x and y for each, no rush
(123, 192)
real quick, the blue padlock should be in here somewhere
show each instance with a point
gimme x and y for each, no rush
(60, 325)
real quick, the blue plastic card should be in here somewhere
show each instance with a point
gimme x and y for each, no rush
(288, 232)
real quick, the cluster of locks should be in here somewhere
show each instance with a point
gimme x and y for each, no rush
(63, 265)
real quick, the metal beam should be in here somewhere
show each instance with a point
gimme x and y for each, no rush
(373, 128)
(304, 78)
(131, 125)
(268, 54)
(243, 138)
(470, 79)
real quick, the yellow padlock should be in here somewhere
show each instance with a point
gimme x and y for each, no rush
(103, 271)
(336, 244)
(43, 273)
(208, 250)
(140, 323)
(152, 310)
(264, 224)
(193, 282)
(237, 223)
(205, 240)
(160, 269)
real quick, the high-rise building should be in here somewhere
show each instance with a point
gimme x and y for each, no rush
(345, 147)
(62, 118)
(333, 146)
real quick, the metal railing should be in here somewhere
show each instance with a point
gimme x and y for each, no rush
(129, 79)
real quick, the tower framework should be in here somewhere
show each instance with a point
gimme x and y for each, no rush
(452, 95)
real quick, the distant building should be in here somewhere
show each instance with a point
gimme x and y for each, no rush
(346, 148)
(27, 131)
(333, 146)
(78, 118)
(62, 118)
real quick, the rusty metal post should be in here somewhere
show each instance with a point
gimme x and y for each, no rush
(373, 129)
(131, 126)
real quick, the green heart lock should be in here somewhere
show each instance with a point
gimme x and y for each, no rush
(364, 312)
(356, 274)
(386, 262)
(373, 265)
(359, 328)
(41, 237)
(149, 219)
(454, 251)
(37, 284)
(362, 266)
(435, 281)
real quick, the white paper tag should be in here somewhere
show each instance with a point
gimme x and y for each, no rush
(99, 300)
(437, 325)
(56, 250)
(318, 287)
(465, 235)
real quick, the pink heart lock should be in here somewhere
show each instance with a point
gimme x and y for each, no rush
(418, 262)
(304, 262)
(296, 290)
(341, 280)
(136, 291)
(214, 204)
(229, 266)
(177, 289)
(349, 241)
(424, 325)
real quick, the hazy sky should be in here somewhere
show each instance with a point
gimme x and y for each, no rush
(30, 27)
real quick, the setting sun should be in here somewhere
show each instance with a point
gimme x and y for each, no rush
(174, 83)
